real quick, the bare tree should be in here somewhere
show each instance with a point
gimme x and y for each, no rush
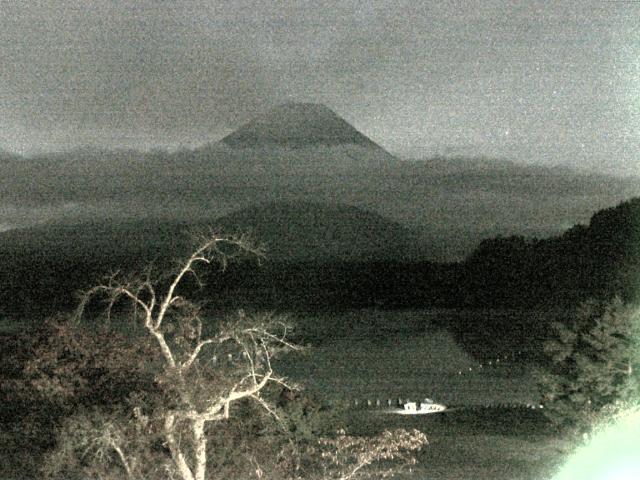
(202, 375)
(346, 457)
(193, 388)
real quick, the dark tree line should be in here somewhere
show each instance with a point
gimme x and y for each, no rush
(599, 260)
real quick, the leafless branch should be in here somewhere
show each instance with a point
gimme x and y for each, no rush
(254, 338)
(194, 355)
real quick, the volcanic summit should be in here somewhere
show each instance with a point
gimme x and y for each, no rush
(297, 125)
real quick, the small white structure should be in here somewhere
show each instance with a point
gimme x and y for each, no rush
(410, 407)
(429, 406)
(426, 405)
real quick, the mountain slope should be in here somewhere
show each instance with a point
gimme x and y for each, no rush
(290, 230)
(320, 232)
(296, 125)
(305, 152)
(42, 266)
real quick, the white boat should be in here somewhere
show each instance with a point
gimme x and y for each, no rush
(425, 407)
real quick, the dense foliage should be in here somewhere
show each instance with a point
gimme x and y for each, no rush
(178, 395)
(593, 364)
(598, 260)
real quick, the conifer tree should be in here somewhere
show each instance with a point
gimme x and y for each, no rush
(594, 364)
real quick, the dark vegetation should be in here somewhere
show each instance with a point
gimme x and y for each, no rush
(66, 390)
(40, 270)
(591, 369)
(106, 396)
(53, 373)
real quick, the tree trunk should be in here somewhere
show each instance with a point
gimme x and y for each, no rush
(176, 454)
(200, 444)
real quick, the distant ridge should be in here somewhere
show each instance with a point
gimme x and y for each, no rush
(297, 125)
(320, 231)
(291, 231)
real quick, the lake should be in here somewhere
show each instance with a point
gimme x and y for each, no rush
(373, 354)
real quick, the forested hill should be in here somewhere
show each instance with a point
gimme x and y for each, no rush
(599, 259)
(311, 231)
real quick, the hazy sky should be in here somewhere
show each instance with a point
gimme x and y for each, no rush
(535, 81)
